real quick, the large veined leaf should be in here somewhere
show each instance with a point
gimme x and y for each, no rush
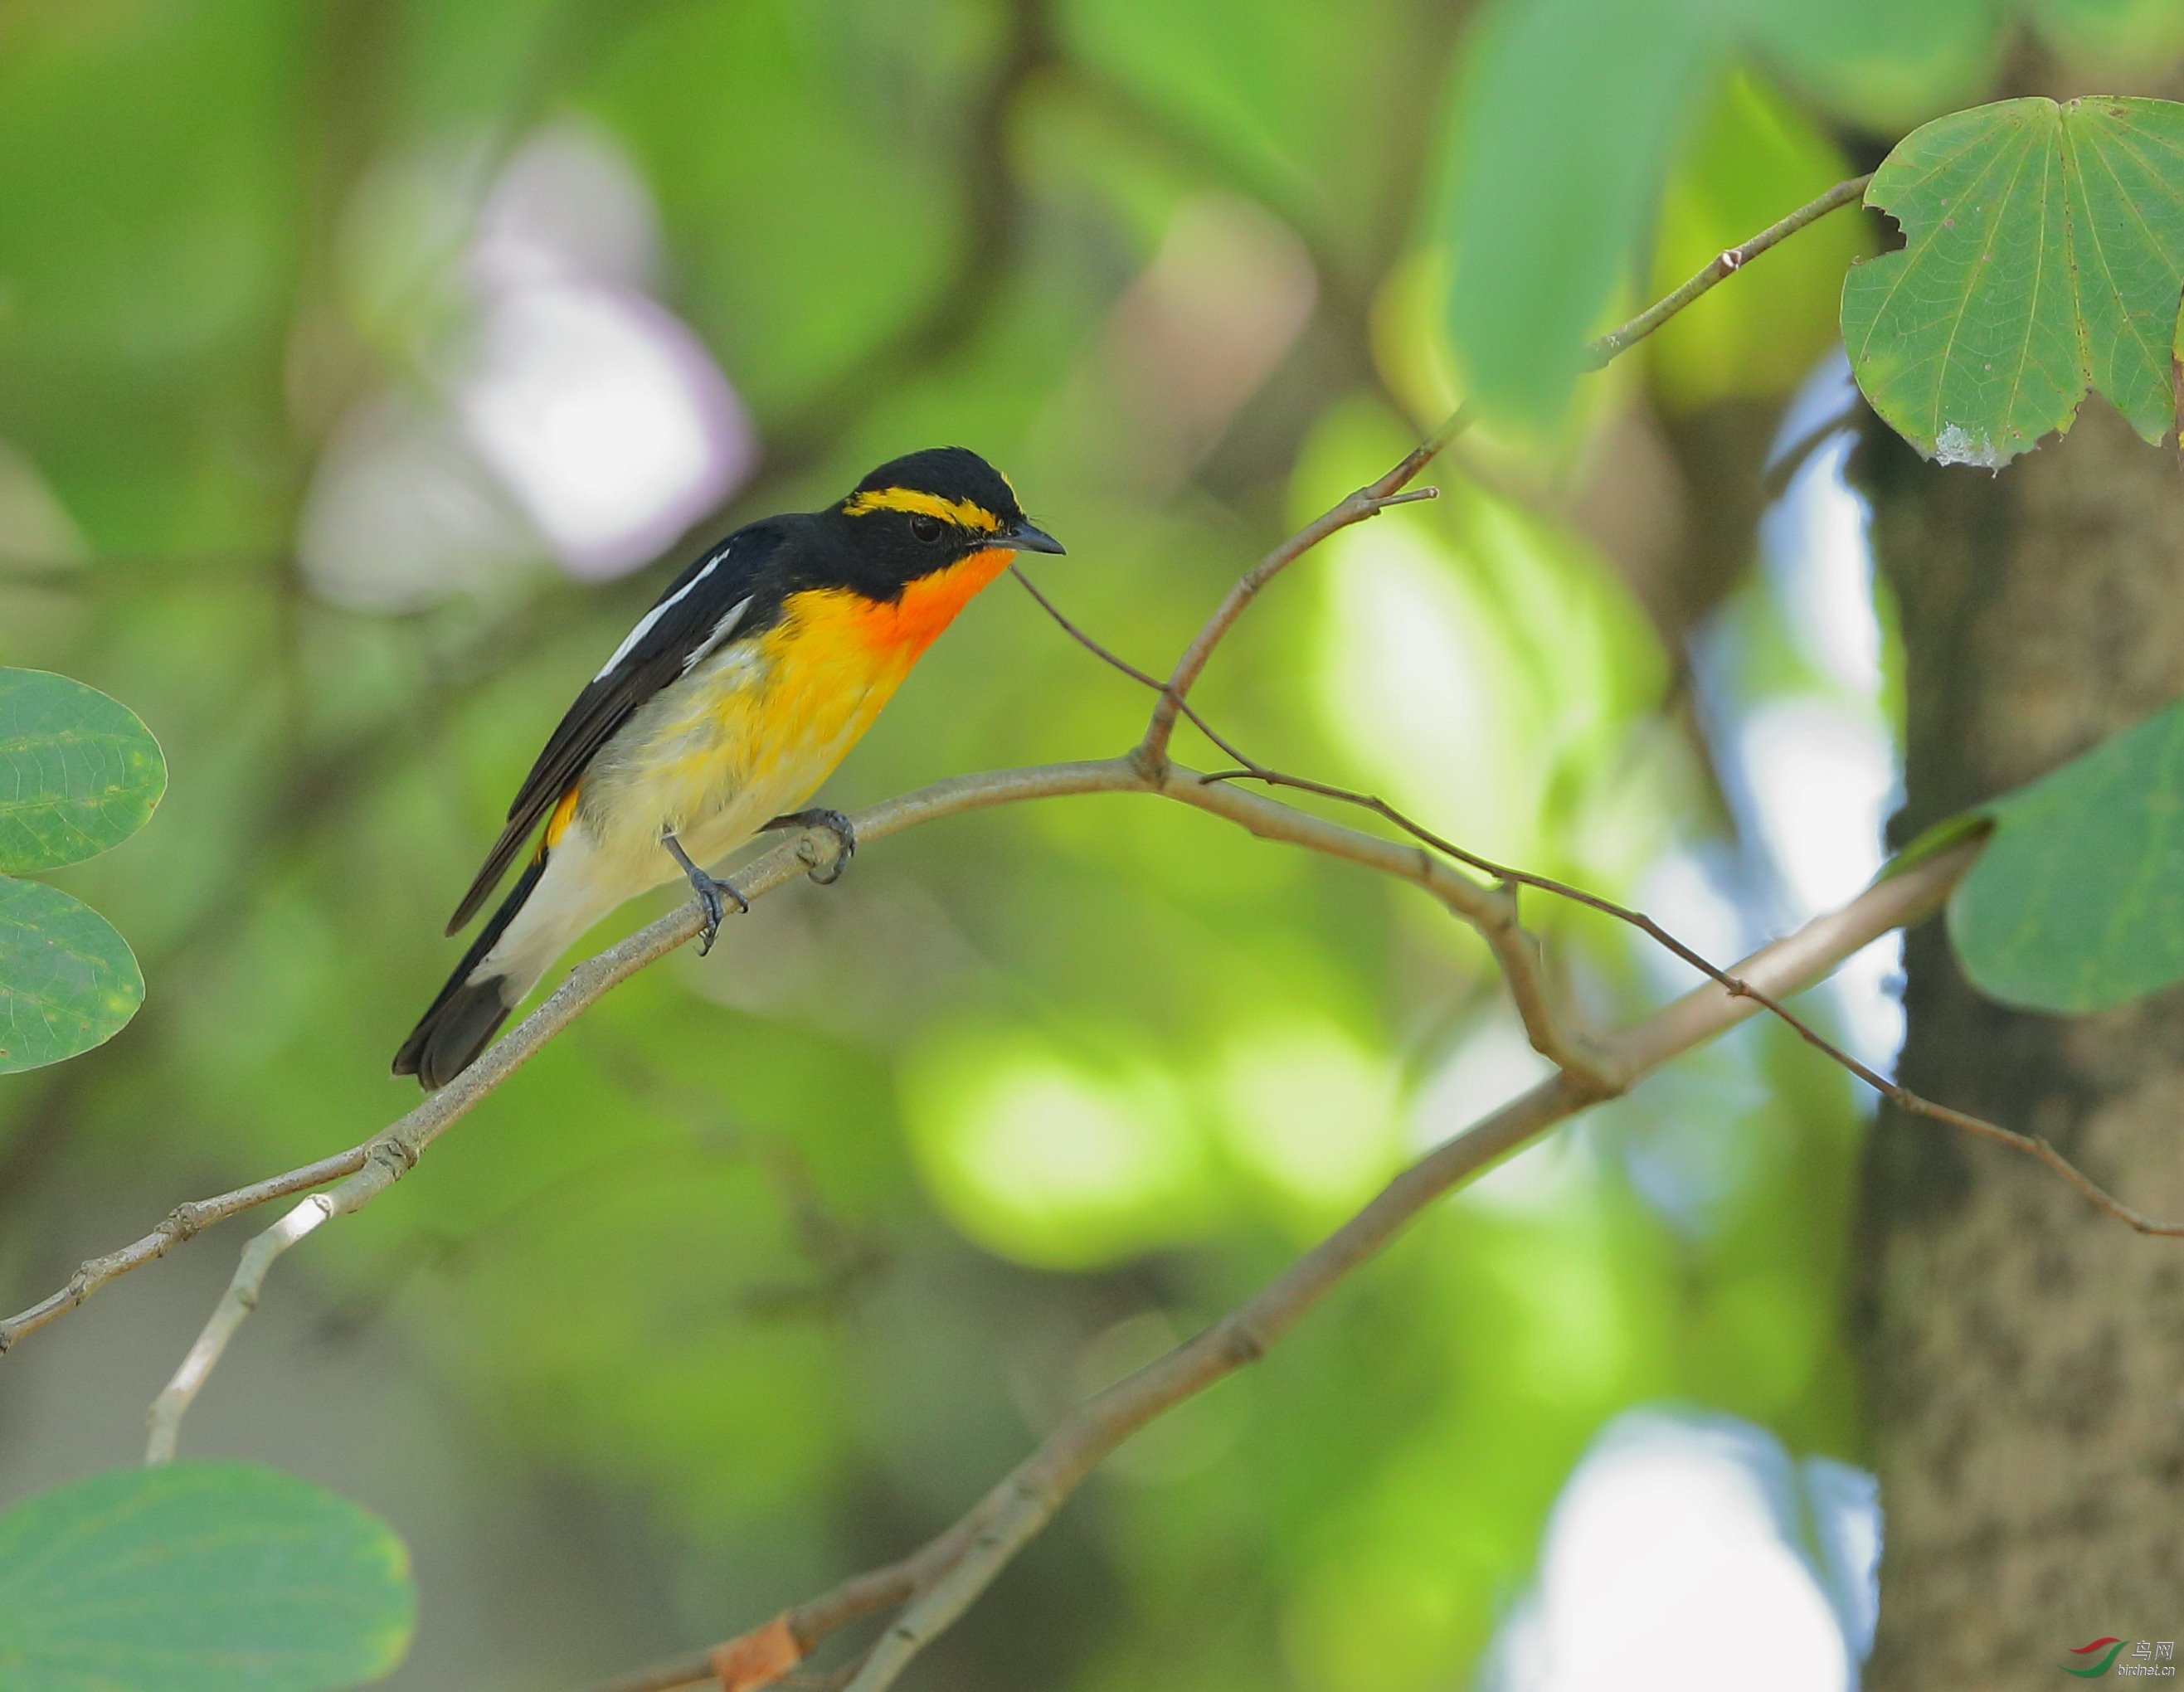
(67, 980)
(198, 1577)
(79, 773)
(2044, 256)
(2077, 902)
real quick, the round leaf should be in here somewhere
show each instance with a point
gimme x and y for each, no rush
(2077, 903)
(2044, 255)
(198, 1577)
(78, 772)
(67, 980)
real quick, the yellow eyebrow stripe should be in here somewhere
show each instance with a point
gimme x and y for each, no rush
(964, 513)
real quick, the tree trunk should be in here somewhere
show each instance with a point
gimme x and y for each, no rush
(2023, 1355)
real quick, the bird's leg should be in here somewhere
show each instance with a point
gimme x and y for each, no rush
(843, 831)
(709, 892)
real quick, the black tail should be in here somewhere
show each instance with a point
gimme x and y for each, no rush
(449, 1037)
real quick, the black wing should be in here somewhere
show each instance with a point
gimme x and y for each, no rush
(717, 596)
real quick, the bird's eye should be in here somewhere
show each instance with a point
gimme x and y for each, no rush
(926, 529)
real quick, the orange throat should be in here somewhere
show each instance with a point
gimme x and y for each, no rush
(929, 604)
(837, 648)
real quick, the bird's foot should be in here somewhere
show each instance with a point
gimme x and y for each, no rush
(845, 840)
(709, 894)
(709, 890)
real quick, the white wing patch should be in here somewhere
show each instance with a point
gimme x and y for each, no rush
(644, 623)
(721, 631)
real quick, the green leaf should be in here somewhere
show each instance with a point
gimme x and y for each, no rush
(67, 980)
(2044, 256)
(79, 773)
(2078, 901)
(198, 1577)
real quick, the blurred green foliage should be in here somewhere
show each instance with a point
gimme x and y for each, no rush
(770, 1264)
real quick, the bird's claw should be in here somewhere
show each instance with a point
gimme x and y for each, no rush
(709, 895)
(845, 841)
(709, 890)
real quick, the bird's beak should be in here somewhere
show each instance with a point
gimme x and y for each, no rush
(1023, 537)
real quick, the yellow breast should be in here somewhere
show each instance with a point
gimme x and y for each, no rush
(768, 721)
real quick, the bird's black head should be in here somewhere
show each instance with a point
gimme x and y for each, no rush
(928, 510)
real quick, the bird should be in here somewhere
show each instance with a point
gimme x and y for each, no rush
(718, 716)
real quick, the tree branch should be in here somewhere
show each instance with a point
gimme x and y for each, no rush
(2033, 1145)
(385, 1158)
(962, 1562)
(184, 1221)
(392, 1152)
(1369, 501)
(1523, 981)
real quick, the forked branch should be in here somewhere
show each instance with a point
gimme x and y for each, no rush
(959, 1564)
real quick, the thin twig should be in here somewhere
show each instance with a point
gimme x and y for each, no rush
(1128, 669)
(183, 1222)
(1491, 910)
(1367, 502)
(1725, 264)
(810, 1623)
